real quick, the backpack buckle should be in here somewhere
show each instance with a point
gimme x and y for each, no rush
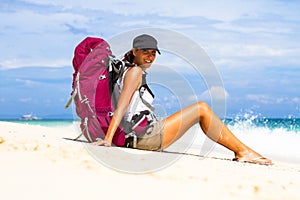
(101, 77)
(134, 138)
(110, 114)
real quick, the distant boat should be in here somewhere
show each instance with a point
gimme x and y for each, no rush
(29, 117)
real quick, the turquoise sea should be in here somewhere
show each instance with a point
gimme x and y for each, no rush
(43, 122)
(286, 125)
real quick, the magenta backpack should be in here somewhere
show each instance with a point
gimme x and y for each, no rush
(92, 85)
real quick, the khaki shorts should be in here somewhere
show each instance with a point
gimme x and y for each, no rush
(152, 138)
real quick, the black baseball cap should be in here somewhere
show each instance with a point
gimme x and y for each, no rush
(145, 42)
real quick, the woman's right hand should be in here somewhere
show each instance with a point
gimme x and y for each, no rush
(104, 142)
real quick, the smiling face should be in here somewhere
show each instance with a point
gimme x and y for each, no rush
(144, 58)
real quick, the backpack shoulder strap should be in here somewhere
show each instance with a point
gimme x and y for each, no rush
(143, 88)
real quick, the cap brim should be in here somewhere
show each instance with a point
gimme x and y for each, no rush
(152, 49)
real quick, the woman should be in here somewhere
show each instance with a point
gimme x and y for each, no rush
(161, 134)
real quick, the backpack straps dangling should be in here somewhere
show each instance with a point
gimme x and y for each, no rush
(71, 98)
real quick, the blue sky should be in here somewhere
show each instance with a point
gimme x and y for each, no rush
(253, 44)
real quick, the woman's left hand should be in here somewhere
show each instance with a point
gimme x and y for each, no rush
(105, 143)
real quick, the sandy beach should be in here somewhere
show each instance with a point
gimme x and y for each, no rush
(37, 163)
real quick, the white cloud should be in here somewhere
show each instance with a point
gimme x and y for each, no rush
(255, 56)
(33, 38)
(215, 92)
(252, 50)
(280, 100)
(63, 17)
(44, 23)
(270, 99)
(216, 10)
(26, 82)
(36, 62)
(296, 100)
(265, 99)
(25, 100)
(269, 27)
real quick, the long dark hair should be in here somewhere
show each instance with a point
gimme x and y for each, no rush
(128, 59)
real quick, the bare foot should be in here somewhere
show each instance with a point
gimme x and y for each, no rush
(252, 157)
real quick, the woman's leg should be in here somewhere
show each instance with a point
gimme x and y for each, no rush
(177, 124)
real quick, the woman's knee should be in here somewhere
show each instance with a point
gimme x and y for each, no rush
(203, 108)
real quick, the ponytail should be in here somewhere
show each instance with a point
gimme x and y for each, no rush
(128, 57)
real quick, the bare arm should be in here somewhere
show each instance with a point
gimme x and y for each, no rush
(132, 81)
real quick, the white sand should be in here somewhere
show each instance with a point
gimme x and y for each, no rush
(36, 163)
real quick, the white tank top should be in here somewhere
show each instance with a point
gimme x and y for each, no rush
(136, 104)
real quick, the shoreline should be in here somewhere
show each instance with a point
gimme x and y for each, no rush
(37, 158)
